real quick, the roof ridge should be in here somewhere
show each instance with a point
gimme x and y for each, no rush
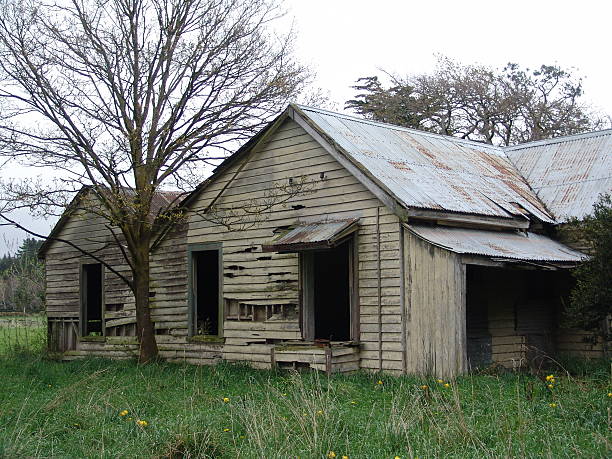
(565, 138)
(501, 148)
(400, 128)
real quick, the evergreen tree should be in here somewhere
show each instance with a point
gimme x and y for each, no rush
(591, 298)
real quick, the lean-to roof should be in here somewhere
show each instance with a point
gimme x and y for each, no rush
(523, 246)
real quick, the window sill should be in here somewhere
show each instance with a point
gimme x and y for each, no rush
(212, 339)
(95, 339)
(122, 340)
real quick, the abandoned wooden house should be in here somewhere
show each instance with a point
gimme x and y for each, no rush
(337, 243)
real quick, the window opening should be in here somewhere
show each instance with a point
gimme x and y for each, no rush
(206, 292)
(92, 294)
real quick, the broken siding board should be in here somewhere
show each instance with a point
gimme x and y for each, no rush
(340, 195)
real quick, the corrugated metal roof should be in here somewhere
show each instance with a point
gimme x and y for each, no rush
(567, 173)
(429, 171)
(312, 235)
(510, 245)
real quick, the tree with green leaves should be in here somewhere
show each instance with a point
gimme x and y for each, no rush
(22, 281)
(591, 298)
(503, 107)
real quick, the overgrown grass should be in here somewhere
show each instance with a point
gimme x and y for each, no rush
(20, 334)
(73, 409)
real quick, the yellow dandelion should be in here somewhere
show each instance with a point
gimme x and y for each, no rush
(550, 378)
(226, 399)
(142, 423)
(284, 395)
(320, 412)
(550, 386)
(123, 413)
(331, 455)
(397, 457)
(242, 437)
(609, 394)
(227, 430)
(440, 381)
(552, 405)
(424, 387)
(379, 382)
(345, 457)
(446, 385)
(353, 402)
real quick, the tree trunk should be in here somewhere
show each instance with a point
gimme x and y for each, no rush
(144, 326)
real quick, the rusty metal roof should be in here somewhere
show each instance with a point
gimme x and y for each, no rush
(430, 171)
(496, 244)
(311, 236)
(567, 173)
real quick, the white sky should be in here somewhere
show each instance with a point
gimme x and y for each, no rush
(347, 39)
(343, 40)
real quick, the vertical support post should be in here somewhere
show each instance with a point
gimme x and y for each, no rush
(403, 297)
(379, 290)
(272, 357)
(328, 360)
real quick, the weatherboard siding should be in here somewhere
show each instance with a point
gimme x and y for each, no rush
(63, 271)
(259, 279)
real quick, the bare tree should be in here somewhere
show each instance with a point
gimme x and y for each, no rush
(128, 95)
(503, 107)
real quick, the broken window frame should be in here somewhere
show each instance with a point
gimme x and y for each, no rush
(192, 296)
(83, 332)
(307, 308)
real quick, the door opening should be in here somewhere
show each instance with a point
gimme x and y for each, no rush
(327, 305)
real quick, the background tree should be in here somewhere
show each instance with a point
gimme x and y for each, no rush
(503, 107)
(22, 280)
(591, 298)
(129, 95)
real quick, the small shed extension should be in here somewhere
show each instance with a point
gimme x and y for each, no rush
(90, 310)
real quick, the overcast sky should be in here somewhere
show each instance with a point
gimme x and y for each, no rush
(346, 39)
(343, 40)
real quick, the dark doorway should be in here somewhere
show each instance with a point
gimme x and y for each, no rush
(479, 351)
(512, 315)
(331, 293)
(91, 300)
(206, 292)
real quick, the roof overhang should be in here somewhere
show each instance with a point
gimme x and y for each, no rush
(500, 246)
(311, 236)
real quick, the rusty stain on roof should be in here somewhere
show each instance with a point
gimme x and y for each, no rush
(567, 173)
(497, 244)
(431, 171)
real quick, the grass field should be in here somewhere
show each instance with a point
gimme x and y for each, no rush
(99, 408)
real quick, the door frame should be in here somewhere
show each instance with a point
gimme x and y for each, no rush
(306, 267)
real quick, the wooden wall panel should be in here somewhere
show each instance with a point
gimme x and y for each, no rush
(252, 277)
(435, 309)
